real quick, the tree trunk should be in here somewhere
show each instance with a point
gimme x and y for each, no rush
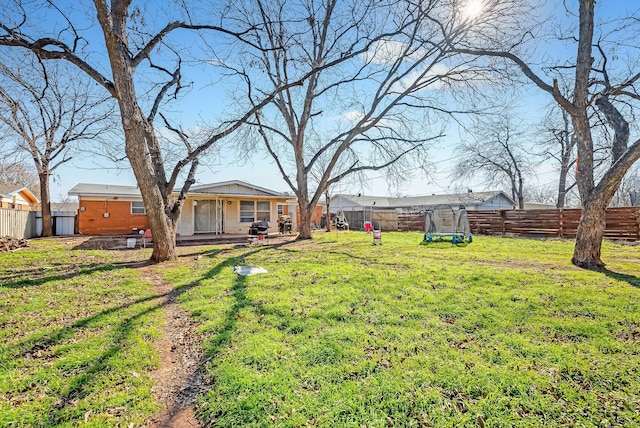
(305, 220)
(141, 145)
(562, 186)
(520, 192)
(567, 143)
(327, 217)
(586, 253)
(619, 125)
(45, 205)
(163, 227)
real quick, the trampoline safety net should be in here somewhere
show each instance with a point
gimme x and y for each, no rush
(444, 222)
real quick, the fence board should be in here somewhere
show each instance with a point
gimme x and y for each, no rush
(17, 223)
(621, 223)
(385, 220)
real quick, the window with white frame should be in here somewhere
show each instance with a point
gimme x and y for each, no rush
(137, 207)
(251, 211)
(263, 211)
(280, 209)
(247, 211)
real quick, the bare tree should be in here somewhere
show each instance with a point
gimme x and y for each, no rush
(541, 194)
(559, 144)
(50, 111)
(380, 75)
(496, 151)
(139, 63)
(627, 193)
(18, 174)
(602, 79)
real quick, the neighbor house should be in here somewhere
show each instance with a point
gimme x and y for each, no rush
(221, 208)
(471, 200)
(18, 198)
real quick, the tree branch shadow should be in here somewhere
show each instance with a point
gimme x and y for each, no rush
(632, 280)
(81, 381)
(39, 275)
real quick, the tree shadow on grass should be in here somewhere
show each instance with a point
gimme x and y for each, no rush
(45, 342)
(216, 344)
(85, 378)
(120, 324)
(39, 275)
(238, 292)
(90, 380)
(630, 279)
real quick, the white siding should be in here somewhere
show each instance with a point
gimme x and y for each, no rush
(233, 189)
(17, 223)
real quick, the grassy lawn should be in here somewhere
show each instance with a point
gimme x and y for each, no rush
(501, 332)
(341, 333)
(76, 339)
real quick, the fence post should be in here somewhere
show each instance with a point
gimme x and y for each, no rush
(503, 215)
(561, 228)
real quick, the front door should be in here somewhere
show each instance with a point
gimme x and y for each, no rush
(208, 216)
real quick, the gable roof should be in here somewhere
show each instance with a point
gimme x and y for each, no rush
(467, 199)
(8, 192)
(235, 187)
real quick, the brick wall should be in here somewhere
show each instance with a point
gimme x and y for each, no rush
(316, 215)
(91, 219)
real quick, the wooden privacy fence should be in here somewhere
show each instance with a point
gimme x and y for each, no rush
(411, 221)
(621, 223)
(383, 220)
(17, 223)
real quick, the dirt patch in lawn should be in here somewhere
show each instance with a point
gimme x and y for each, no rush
(180, 377)
(8, 243)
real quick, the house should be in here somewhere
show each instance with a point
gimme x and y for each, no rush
(538, 206)
(220, 208)
(471, 200)
(18, 198)
(316, 215)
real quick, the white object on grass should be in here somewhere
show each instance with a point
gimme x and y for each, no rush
(248, 270)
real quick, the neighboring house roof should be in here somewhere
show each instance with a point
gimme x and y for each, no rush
(9, 192)
(467, 199)
(64, 206)
(538, 206)
(231, 188)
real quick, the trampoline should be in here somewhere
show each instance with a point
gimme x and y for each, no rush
(443, 222)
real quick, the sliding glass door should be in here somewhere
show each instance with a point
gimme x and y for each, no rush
(208, 216)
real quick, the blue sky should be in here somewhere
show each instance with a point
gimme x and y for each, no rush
(202, 103)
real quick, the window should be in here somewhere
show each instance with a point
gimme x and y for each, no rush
(264, 210)
(247, 214)
(280, 209)
(251, 211)
(137, 207)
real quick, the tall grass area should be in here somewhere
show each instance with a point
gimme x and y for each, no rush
(340, 333)
(76, 339)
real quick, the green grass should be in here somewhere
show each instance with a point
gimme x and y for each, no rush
(76, 343)
(338, 333)
(342, 333)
